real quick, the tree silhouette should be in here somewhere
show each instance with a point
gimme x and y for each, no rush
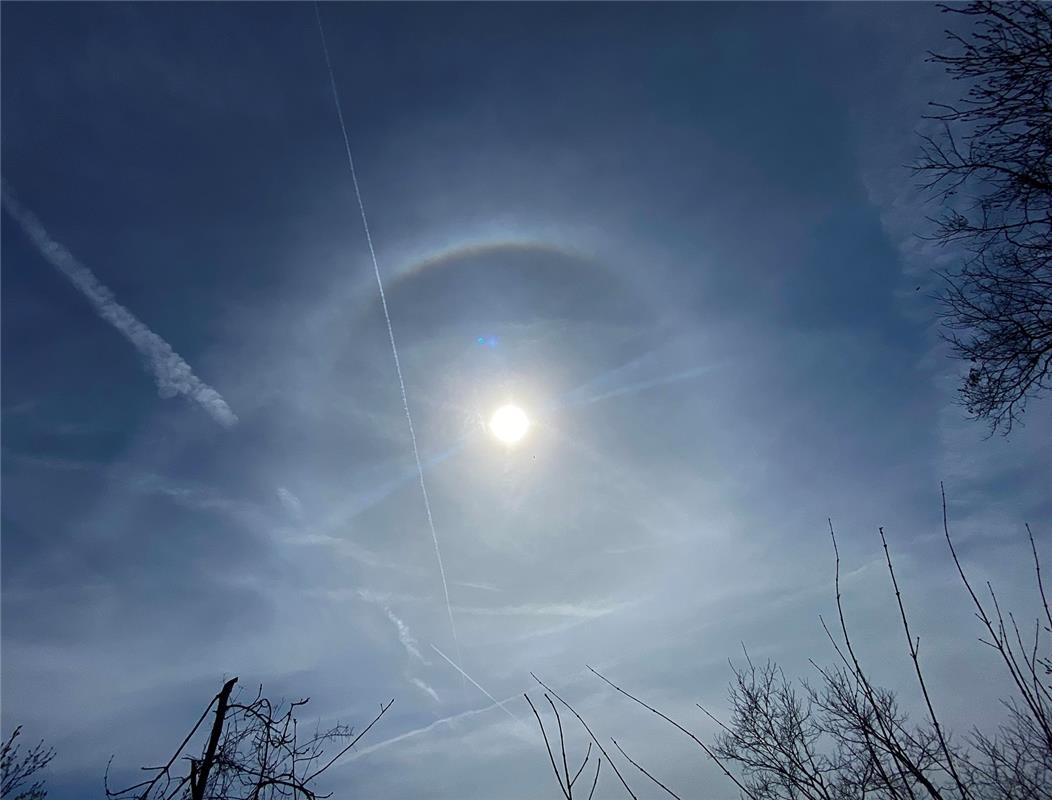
(254, 751)
(991, 167)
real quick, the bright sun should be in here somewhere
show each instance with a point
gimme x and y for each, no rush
(509, 424)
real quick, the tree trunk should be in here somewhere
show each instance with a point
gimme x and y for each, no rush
(197, 787)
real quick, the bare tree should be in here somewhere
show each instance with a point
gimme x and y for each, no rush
(842, 737)
(19, 772)
(848, 738)
(991, 166)
(832, 741)
(254, 751)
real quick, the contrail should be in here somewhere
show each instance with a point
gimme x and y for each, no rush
(639, 386)
(474, 712)
(475, 683)
(370, 497)
(390, 328)
(171, 373)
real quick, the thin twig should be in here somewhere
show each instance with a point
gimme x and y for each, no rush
(707, 750)
(641, 769)
(951, 767)
(594, 739)
(547, 745)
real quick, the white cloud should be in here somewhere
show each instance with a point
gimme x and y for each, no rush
(171, 373)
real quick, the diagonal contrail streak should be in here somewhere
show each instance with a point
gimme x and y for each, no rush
(476, 685)
(454, 718)
(390, 328)
(171, 373)
(639, 386)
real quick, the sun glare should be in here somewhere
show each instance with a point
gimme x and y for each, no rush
(509, 424)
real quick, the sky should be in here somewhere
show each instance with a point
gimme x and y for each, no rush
(680, 237)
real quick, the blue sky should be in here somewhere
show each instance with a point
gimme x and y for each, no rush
(689, 232)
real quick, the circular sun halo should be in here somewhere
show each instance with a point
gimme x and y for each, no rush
(509, 424)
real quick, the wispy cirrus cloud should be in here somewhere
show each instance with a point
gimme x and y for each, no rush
(290, 502)
(171, 373)
(405, 637)
(419, 684)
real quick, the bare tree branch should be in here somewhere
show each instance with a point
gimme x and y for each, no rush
(584, 724)
(643, 770)
(18, 772)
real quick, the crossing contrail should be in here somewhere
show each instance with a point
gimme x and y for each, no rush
(454, 718)
(390, 328)
(476, 685)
